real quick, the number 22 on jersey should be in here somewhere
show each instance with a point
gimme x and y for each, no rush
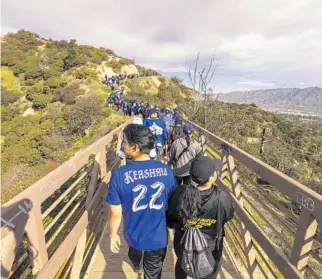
(142, 189)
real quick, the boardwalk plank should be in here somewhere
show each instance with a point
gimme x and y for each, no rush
(107, 265)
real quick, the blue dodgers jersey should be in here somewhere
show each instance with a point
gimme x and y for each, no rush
(142, 188)
(157, 127)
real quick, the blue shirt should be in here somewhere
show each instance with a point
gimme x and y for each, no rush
(142, 188)
(168, 122)
(157, 127)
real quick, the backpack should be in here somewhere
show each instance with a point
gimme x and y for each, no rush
(197, 260)
(177, 133)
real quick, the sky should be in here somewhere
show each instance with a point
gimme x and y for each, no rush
(256, 43)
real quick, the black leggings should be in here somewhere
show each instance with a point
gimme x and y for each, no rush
(179, 273)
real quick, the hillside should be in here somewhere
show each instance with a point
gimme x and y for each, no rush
(294, 148)
(307, 100)
(53, 102)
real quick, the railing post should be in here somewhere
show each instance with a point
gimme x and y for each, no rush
(94, 178)
(303, 241)
(224, 165)
(81, 244)
(202, 141)
(36, 238)
(102, 162)
(78, 257)
(246, 238)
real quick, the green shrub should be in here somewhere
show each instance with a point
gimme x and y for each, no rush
(85, 73)
(56, 82)
(41, 100)
(68, 94)
(115, 65)
(34, 90)
(125, 61)
(8, 113)
(8, 97)
(84, 113)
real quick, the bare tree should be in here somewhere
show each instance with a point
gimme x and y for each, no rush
(200, 79)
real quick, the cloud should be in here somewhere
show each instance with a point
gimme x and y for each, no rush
(275, 40)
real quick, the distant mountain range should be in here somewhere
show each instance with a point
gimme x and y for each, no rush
(286, 100)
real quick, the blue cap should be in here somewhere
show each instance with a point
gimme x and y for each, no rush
(188, 128)
(153, 110)
(178, 118)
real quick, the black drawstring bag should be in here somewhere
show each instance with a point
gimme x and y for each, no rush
(197, 260)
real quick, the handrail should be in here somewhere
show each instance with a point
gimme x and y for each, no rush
(298, 192)
(298, 260)
(22, 214)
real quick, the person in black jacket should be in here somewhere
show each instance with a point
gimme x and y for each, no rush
(185, 207)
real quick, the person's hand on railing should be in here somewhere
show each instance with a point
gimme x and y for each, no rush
(115, 243)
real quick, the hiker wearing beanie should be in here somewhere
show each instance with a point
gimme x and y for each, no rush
(182, 153)
(199, 210)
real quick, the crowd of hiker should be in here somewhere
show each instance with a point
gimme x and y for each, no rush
(117, 80)
(153, 196)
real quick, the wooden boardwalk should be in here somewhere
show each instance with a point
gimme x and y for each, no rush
(106, 265)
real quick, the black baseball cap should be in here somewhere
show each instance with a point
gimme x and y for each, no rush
(202, 168)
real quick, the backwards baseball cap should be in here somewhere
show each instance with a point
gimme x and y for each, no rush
(202, 168)
(188, 128)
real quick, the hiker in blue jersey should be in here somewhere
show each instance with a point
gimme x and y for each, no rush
(110, 102)
(126, 107)
(129, 108)
(169, 124)
(158, 111)
(175, 114)
(121, 91)
(140, 191)
(109, 81)
(136, 109)
(141, 109)
(117, 81)
(167, 120)
(157, 127)
(146, 111)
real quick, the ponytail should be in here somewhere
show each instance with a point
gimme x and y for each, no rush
(189, 204)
